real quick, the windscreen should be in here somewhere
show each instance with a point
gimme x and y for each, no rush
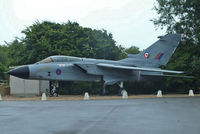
(46, 60)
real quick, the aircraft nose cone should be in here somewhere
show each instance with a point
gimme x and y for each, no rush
(21, 72)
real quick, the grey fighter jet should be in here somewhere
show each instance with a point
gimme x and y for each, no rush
(134, 68)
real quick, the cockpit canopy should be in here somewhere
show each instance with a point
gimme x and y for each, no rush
(60, 59)
(46, 60)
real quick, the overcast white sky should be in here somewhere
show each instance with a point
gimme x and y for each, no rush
(127, 20)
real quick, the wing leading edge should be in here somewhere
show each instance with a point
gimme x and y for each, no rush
(138, 68)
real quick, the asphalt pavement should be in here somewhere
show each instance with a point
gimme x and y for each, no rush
(133, 116)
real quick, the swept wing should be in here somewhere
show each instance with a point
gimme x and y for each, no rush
(138, 68)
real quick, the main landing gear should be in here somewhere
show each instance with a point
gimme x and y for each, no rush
(103, 88)
(103, 85)
(121, 85)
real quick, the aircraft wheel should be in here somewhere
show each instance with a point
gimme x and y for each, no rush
(55, 94)
(52, 92)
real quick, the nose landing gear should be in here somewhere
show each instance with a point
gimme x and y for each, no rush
(53, 89)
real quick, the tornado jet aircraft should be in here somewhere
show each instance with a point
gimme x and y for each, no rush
(135, 67)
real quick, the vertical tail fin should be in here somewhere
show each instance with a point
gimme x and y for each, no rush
(158, 53)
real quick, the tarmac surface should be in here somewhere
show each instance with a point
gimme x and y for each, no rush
(132, 116)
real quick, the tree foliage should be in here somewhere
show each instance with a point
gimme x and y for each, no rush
(4, 61)
(182, 16)
(44, 39)
(132, 50)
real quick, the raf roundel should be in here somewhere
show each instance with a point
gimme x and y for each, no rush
(58, 71)
(146, 55)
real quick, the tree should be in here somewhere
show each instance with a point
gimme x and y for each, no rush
(132, 50)
(4, 61)
(47, 38)
(182, 16)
